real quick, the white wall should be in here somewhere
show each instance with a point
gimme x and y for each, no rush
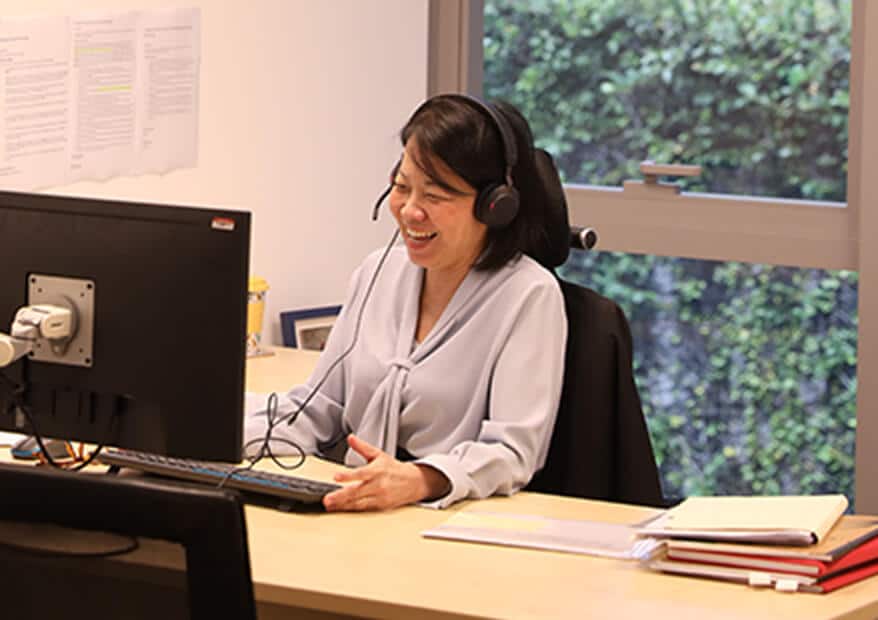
(301, 104)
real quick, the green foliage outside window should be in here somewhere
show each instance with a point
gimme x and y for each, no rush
(747, 372)
(756, 91)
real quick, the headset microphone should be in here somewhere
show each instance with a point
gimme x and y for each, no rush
(384, 194)
(378, 202)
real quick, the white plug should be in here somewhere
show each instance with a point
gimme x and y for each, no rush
(52, 322)
(31, 323)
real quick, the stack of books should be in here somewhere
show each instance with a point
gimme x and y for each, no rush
(791, 543)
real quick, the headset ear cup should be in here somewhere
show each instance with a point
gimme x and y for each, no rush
(483, 199)
(497, 205)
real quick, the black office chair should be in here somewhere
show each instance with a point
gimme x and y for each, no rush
(600, 447)
(208, 523)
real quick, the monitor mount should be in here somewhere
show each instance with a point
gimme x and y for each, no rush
(57, 325)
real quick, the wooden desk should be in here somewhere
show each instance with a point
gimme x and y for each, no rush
(283, 369)
(379, 565)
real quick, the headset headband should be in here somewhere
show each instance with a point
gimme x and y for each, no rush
(507, 137)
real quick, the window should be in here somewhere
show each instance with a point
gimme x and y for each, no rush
(763, 103)
(747, 372)
(754, 91)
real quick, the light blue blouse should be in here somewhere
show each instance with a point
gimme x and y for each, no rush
(476, 399)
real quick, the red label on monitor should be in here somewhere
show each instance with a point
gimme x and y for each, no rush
(222, 223)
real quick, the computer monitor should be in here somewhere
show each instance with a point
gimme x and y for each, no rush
(162, 369)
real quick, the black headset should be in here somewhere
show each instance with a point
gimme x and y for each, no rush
(497, 204)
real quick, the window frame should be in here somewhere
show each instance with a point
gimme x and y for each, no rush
(719, 227)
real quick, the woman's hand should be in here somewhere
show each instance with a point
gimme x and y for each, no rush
(384, 482)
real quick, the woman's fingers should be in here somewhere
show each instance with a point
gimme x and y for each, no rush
(364, 448)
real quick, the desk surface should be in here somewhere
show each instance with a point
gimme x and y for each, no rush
(377, 564)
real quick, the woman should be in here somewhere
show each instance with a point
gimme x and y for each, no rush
(452, 383)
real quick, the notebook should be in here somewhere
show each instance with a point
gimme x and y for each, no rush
(853, 541)
(781, 520)
(790, 582)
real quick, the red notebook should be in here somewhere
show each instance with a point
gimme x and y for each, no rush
(790, 582)
(849, 553)
(861, 554)
(835, 581)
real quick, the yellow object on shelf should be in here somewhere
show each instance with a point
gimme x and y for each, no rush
(257, 292)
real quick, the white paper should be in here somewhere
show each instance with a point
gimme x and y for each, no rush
(611, 540)
(170, 62)
(34, 102)
(9, 439)
(104, 95)
(97, 95)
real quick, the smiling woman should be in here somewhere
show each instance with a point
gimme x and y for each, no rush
(436, 218)
(422, 372)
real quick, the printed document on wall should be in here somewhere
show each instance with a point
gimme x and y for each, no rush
(34, 102)
(96, 95)
(170, 58)
(104, 95)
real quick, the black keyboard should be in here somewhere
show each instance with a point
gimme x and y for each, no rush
(281, 486)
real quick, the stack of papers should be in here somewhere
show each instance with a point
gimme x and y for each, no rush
(610, 540)
(797, 543)
(794, 543)
(848, 554)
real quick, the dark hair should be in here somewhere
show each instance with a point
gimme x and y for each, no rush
(456, 130)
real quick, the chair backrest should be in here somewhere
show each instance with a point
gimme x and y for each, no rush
(600, 446)
(208, 523)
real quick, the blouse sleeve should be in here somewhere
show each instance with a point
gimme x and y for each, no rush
(523, 399)
(318, 422)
